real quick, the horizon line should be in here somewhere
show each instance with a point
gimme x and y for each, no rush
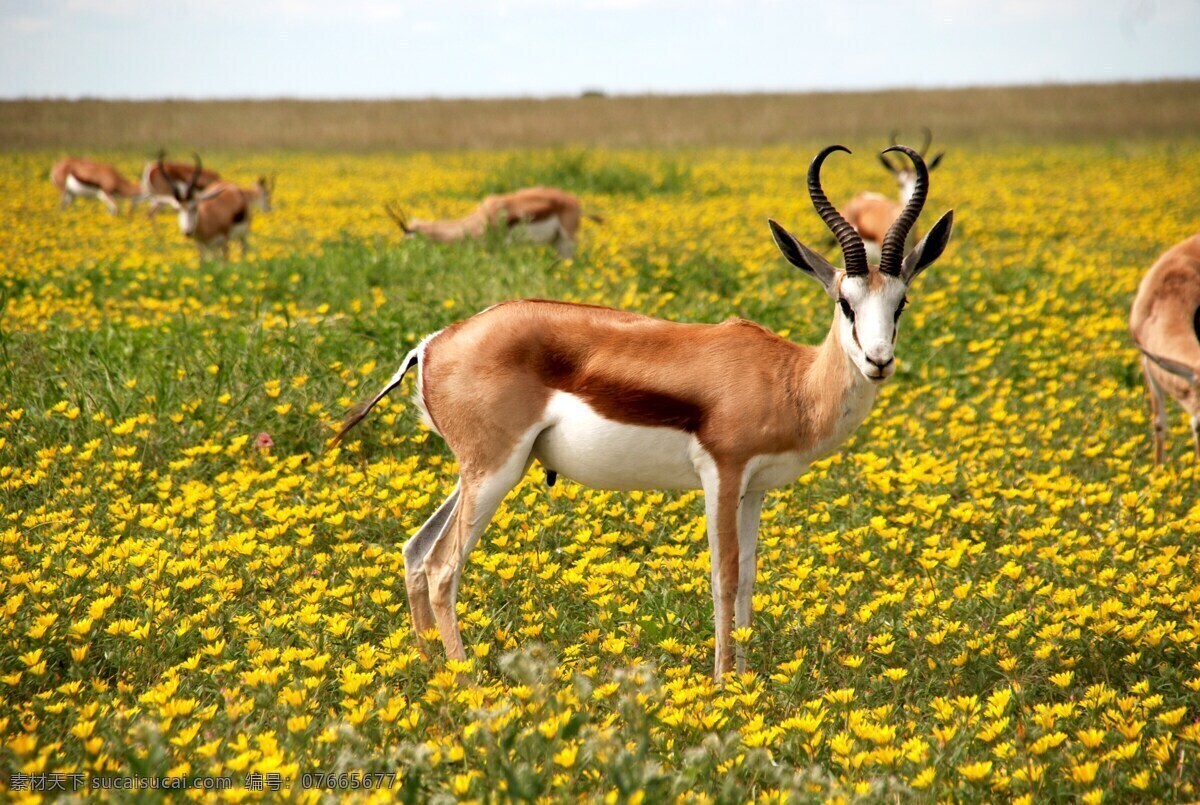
(590, 93)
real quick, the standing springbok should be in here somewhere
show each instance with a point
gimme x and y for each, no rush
(616, 400)
(213, 218)
(533, 214)
(162, 181)
(84, 178)
(872, 214)
(1165, 324)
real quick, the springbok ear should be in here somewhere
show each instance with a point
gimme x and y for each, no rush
(887, 163)
(929, 249)
(804, 258)
(1174, 367)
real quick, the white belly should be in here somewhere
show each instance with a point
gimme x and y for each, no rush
(78, 188)
(543, 231)
(579, 444)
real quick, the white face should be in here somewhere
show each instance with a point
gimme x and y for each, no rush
(868, 317)
(907, 179)
(189, 215)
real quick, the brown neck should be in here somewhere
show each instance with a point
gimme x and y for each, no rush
(447, 231)
(128, 189)
(829, 390)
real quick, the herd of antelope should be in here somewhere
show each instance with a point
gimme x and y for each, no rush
(617, 400)
(215, 213)
(212, 212)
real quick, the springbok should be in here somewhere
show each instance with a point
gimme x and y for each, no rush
(533, 214)
(617, 400)
(213, 218)
(76, 177)
(1165, 324)
(162, 181)
(872, 214)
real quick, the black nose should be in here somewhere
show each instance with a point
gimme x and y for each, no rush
(879, 365)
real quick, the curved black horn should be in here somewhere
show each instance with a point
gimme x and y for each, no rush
(892, 254)
(166, 177)
(853, 251)
(928, 140)
(191, 185)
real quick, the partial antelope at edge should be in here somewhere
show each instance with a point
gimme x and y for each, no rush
(1165, 324)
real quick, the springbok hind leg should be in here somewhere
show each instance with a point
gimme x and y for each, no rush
(1158, 413)
(415, 551)
(479, 497)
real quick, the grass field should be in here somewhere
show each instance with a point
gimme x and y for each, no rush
(1001, 115)
(988, 594)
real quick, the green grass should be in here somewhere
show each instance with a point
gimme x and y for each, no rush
(1017, 385)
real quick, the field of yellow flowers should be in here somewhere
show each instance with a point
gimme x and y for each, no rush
(989, 594)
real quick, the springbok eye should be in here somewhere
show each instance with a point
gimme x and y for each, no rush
(847, 311)
(900, 309)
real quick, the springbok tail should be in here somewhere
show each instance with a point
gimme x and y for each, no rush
(597, 218)
(359, 412)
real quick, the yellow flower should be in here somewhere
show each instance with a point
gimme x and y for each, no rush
(976, 771)
(566, 757)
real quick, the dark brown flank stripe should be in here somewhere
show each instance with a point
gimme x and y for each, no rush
(620, 402)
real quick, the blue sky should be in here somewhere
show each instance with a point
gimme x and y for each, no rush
(462, 48)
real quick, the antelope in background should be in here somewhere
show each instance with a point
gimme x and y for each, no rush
(1165, 324)
(215, 217)
(872, 214)
(617, 400)
(162, 181)
(84, 178)
(538, 215)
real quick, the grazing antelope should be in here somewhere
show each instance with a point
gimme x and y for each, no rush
(213, 218)
(1165, 324)
(161, 181)
(872, 214)
(533, 214)
(617, 400)
(76, 177)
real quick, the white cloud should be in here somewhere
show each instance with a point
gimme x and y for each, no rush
(29, 24)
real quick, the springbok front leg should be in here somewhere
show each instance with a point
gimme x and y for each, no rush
(1158, 413)
(722, 491)
(749, 513)
(415, 551)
